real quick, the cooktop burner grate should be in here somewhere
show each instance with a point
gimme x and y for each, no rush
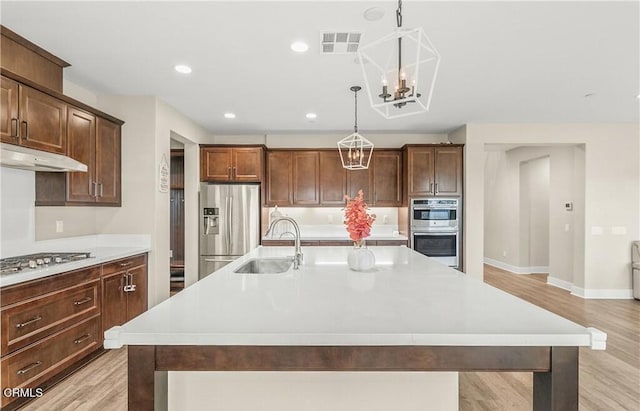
(39, 260)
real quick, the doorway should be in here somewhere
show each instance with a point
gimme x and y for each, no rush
(534, 210)
(176, 224)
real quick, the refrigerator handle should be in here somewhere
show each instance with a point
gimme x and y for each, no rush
(230, 220)
(228, 217)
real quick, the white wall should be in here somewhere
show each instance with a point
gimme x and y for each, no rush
(611, 196)
(535, 195)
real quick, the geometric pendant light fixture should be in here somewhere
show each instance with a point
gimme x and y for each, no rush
(400, 71)
(355, 150)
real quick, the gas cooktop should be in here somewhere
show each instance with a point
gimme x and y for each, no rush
(40, 260)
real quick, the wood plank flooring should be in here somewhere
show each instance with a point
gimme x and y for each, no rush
(609, 380)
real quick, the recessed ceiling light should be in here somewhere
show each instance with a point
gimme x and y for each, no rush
(299, 46)
(311, 116)
(229, 115)
(638, 96)
(182, 69)
(373, 13)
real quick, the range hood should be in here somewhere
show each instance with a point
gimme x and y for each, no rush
(36, 160)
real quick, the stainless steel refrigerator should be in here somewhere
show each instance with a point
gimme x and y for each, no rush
(229, 223)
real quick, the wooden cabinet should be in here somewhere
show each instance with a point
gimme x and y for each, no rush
(108, 163)
(9, 121)
(96, 142)
(317, 178)
(387, 178)
(279, 187)
(31, 118)
(381, 182)
(306, 178)
(48, 326)
(333, 179)
(361, 180)
(124, 287)
(434, 171)
(231, 164)
(81, 139)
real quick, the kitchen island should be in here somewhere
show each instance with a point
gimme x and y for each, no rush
(408, 314)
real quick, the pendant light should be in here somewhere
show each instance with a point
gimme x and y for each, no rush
(400, 71)
(355, 150)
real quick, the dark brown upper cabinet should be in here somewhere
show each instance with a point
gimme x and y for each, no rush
(317, 178)
(333, 179)
(279, 180)
(93, 141)
(31, 118)
(306, 178)
(434, 170)
(231, 164)
(387, 178)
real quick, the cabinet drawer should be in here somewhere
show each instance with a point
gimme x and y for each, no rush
(32, 366)
(28, 321)
(124, 264)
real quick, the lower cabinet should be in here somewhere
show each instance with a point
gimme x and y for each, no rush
(53, 325)
(48, 326)
(124, 290)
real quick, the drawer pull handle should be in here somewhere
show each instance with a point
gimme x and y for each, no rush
(31, 321)
(125, 264)
(29, 367)
(14, 122)
(83, 301)
(81, 339)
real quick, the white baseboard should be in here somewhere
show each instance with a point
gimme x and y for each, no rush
(609, 294)
(556, 282)
(515, 269)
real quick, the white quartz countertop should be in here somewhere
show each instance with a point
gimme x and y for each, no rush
(407, 299)
(99, 255)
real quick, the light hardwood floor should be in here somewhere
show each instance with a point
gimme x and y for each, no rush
(609, 380)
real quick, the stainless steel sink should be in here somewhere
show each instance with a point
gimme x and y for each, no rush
(265, 266)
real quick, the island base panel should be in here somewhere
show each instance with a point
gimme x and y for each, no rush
(555, 368)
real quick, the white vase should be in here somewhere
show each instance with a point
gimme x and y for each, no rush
(360, 258)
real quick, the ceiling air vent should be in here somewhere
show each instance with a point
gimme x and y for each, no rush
(340, 42)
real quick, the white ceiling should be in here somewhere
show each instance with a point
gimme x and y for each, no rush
(524, 62)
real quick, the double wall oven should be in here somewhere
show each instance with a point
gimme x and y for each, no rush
(435, 228)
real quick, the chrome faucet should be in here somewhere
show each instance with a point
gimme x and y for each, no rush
(297, 258)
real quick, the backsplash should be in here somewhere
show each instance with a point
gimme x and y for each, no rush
(17, 210)
(385, 216)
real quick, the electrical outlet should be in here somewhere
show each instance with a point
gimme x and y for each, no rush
(170, 253)
(59, 226)
(385, 219)
(504, 253)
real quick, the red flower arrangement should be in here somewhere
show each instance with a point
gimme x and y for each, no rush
(357, 218)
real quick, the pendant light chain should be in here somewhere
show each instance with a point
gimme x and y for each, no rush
(355, 126)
